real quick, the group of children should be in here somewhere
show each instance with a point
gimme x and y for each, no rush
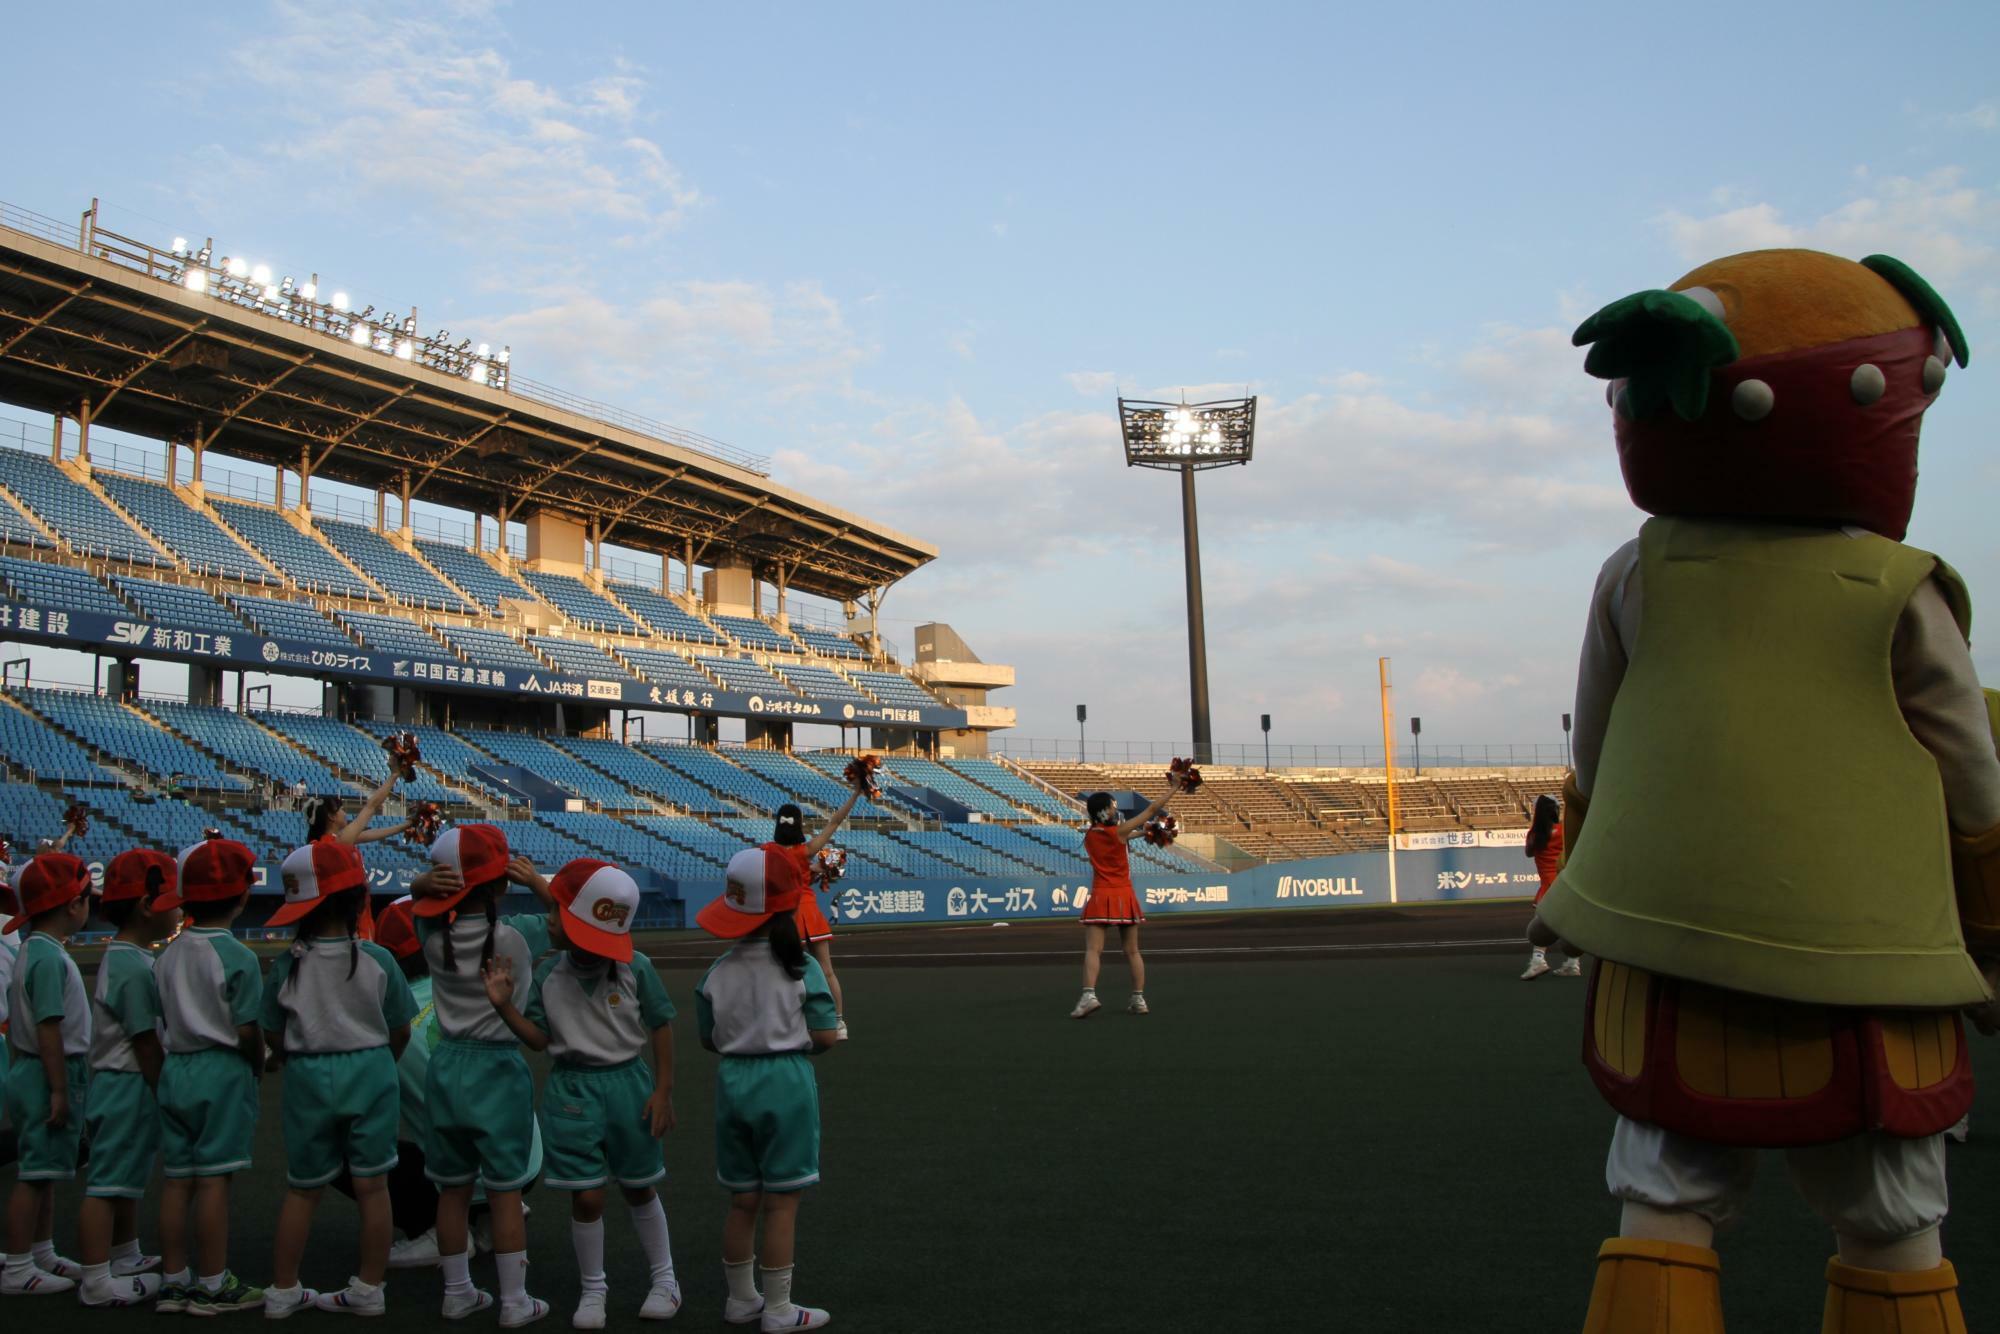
(163, 1061)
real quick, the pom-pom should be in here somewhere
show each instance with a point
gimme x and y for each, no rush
(6, 852)
(1162, 830)
(425, 821)
(1183, 774)
(829, 866)
(861, 774)
(77, 817)
(212, 834)
(403, 753)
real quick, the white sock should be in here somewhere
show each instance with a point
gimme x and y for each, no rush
(513, 1267)
(180, 1278)
(125, 1251)
(100, 1275)
(1090, 991)
(457, 1274)
(588, 1239)
(649, 1220)
(778, 1291)
(1541, 954)
(210, 1283)
(291, 1294)
(44, 1253)
(742, 1278)
(20, 1266)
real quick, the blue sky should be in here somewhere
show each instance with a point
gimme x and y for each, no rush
(913, 253)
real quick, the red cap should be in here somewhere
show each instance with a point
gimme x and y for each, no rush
(215, 869)
(598, 904)
(396, 928)
(313, 874)
(129, 875)
(51, 880)
(763, 882)
(478, 852)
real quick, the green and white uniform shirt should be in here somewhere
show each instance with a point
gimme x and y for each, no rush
(592, 1019)
(46, 985)
(210, 985)
(459, 995)
(310, 998)
(125, 1004)
(746, 1004)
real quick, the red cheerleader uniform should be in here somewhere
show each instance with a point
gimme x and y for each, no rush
(812, 923)
(1549, 861)
(1113, 901)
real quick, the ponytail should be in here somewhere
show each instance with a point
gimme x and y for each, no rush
(488, 895)
(786, 946)
(492, 927)
(346, 905)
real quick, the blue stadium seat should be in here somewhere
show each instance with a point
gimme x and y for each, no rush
(353, 751)
(491, 648)
(629, 845)
(710, 846)
(117, 730)
(578, 658)
(471, 573)
(819, 683)
(753, 633)
(743, 674)
(290, 620)
(893, 689)
(246, 745)
(665, 668)
(72, 511)
(441, 751)
(63, 587)
(664, 614)
(34, 750)
(177, 604)
(930, 774)
(392, 635)
(556, 766)
(202, 544)
(581, 604)
(1017, 789)
(390, 566)
(809, 787)
(641, 773)
(711, 771)
(15, 528)
(827, 643)
(305, 562)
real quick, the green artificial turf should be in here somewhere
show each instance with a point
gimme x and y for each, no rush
(1394, 1144)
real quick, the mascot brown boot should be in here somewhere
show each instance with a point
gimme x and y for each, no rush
(1879, 1301)
(1659, 1287)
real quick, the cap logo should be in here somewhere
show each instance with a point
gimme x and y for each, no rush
(737, 895)
(291, 885)
(609, 910)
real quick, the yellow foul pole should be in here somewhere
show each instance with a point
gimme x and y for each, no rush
(1389, 768)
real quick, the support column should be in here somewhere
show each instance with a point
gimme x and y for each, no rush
(408, 531)
(687, 564)
(1204, 750)
(173, 462)
(83, 434)
(381, 510)
(783, 581)
(305, 482)
(194, 480)
(278, 481)
(55, 440)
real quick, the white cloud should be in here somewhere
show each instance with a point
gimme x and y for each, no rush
(1093, 384)
(1984, 116)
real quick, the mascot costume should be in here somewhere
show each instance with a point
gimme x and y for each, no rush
(1784, 820)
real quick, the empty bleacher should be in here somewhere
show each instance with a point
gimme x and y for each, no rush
(664, 614)
(196, 540)
(744, 675)
(290, 620)
(402, 574)
(491, 648)
(665, 668)
(58, 587)
(710, 770)
(1017, 789)
(177, 604)
(392, 635)
(577, 657)
(899, 691)
(827, 643)
(32, 749)
(556, 766)
(306, 562)
(642, 773)
(110, 727)
(931, 774)
(244, 744)
(820, 683)
(810, 787)
(352, 751)
(580, 603)
(755, 634)
(72, 510)
(471, 572)
(16, 529)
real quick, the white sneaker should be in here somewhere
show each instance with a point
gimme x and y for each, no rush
(1086, 1005)
(136, 1264)
(1573, 968)
(1961, 1130)
(527, 1311)
(37, 1283)
(458, 1308)
(841, 1032)
(482, 1234)
(283, 1303)
(798, 1317)
(662, 1303)
(742, 1313)
(1137, 1005)
(418, 1252)
(1536, 967)
(120, 1290)
(357, 1298)
(589, 1311)
(61, 1267)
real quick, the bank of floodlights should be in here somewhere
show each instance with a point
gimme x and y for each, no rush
(1187, 435)
(249, 286)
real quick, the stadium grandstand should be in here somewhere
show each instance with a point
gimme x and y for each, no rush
(529, 676)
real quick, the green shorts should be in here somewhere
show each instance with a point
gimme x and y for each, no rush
(341, 1111)
(594, 1120)
(766, 1123)
(46, 1154)
(482, 1105)
(208, 1112)
(124, 1124)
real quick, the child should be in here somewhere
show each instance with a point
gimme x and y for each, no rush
(789, 837)
(480, 1095)
(337, 1012)
(1545, 846)
(48, 1079)
(1113, 901)
(210, 992)
(763, 1006)
(604, 1115)
(125, 1056)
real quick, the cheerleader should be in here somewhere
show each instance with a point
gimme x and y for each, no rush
(788, 838)
(1113, 901)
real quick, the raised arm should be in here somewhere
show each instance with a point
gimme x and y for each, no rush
(825, 835)
(1132, 826)
(356, 830)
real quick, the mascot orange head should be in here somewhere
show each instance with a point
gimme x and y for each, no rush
(1784, 385)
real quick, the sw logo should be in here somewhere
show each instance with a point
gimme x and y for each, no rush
(127, 632)
(606, 910)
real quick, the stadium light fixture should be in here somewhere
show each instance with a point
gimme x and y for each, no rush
(340, 302)
(1188, 438)
(196, 280)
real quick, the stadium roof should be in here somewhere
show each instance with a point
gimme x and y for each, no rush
(113, 327)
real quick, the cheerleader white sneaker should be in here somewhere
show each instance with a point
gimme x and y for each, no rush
(471, 1303)
(33, 1282)
(1536, 967)
(589, 1311)
(357, 1298)
(1961, 1129)
(1137, 1005)
(1574, 968)
(1086, 1005)
(662, 1303)
(527, 1311)
(737, 1312)
(794, 1317)
(284, 1303)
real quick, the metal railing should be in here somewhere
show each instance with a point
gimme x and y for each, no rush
(632, 421)
(1250, 755)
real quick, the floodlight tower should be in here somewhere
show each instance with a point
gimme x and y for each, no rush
(1188, 438)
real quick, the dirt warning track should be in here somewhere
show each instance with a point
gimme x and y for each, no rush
(1292, 933)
